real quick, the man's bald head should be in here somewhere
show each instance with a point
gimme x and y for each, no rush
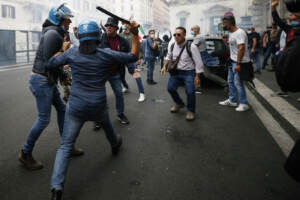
(196, 29)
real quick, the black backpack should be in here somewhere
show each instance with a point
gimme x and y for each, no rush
(288, 66)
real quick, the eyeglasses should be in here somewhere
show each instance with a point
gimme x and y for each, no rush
(177, 35)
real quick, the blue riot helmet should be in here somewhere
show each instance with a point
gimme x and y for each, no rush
(57, 13)
(88, 30)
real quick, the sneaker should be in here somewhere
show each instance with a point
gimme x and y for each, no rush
(228, 103)
(56, 194)
(115, 149)
(142, 97)
(97, 126)
(29, 162)
(123, 119)
(151, 82)
(77, 152)
(242, 108)
(199, 90)
(176, 108)
(190, 116)
(125, 90)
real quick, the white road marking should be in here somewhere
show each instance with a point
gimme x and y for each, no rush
(283, 139)
(289, 112)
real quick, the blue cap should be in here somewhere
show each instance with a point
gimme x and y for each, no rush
(88, 30)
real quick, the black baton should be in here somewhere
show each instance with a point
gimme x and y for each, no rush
(112, 15)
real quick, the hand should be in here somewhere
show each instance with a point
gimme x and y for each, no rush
(237, 68)
(134, 28)
(252, 51)
(66, 67)
(275, 3)
(163, 71)
(138, 62)
(197, 80)
(136, 74)
(65, 46)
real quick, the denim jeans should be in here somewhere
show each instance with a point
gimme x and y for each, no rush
(115, 83)
(45, 95)
(72, 126)
(256, 57)
(123, 77)
(271, 49)
(188, 78)
(236, 86)
(140, 85)
(150, 68)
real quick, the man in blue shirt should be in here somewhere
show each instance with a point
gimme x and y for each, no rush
(91, 67)
(150, 47)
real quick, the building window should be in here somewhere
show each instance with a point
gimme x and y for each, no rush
(182, 22)
(36, 16)
(86, 6)
(8, 11)
(76, 4)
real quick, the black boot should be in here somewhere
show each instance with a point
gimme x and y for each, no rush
(56, 194)
(29, 162)
(115, 149)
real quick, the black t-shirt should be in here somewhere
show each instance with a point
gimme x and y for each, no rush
(251, 37)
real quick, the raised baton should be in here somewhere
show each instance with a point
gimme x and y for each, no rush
(112, 15)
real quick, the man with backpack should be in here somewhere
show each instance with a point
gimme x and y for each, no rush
(188, 66)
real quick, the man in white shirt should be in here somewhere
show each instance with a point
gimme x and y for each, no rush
(188, 70)
(239, 55)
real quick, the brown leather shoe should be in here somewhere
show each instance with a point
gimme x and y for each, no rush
(190, 116)
(29, 162)
(176, 108)
(77, 151)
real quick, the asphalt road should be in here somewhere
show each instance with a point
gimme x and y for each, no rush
(222, 155)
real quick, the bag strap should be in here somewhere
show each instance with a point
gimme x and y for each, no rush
(178, 58)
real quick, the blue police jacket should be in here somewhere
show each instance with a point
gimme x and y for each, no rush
(89, 74)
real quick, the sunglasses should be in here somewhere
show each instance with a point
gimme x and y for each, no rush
(177, 35)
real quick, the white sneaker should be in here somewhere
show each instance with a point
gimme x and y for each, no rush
(142, 97)
(228, 103)
(125, 90)
(242, 108)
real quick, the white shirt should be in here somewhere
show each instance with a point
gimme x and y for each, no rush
(237, 38)
(282, 40)
(186, 62)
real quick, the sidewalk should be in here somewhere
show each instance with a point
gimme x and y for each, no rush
(15, 65)
(269, 79)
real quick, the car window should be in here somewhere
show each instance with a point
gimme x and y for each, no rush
(215, 46)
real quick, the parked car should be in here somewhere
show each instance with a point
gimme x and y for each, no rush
(219, 52)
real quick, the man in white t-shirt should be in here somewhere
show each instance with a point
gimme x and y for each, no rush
(239, 54)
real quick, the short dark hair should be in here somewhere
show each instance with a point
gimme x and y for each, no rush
(181, 28)
(151, 31)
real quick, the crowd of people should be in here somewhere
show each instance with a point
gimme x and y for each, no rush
(91, 56)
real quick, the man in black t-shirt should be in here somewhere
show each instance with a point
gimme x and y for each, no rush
(254, 48)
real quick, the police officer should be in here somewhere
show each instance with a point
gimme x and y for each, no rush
(90, 68)
(43, 82)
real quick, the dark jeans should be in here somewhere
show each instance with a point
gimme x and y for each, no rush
(271, 50)
(150, 68)
(187, 77)
(45, 95)
(115, 83)
(73, 124)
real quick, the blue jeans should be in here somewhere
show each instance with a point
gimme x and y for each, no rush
(140, 85)
(45, 95)
(72, 127)
(271, 49)
(188, 78)
(115, 83)
(150, 68)
(256, 57)
(236, 86)
(123, 77)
